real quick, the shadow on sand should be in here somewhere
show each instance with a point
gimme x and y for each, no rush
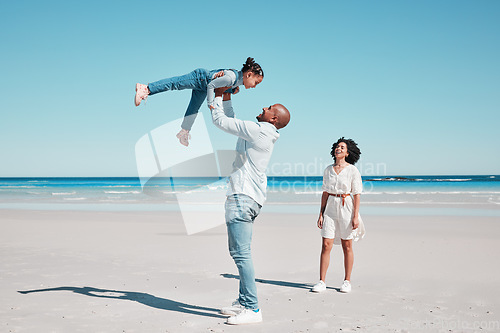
(307, 286)
(143, 298)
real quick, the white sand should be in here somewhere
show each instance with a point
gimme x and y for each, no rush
(140, 272)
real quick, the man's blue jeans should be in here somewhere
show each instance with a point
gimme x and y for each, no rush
(197, 80)
(241, 211)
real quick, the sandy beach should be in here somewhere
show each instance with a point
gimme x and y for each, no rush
(88, 271)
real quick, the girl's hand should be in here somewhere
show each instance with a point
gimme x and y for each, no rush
(320, 221)
(355, 223)
(219, 74)
(236, 90)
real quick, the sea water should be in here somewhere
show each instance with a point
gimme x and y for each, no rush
(113, 193)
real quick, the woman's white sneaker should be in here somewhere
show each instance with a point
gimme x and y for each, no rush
(319, 287)
(346, 287)
(246, 316)
(232, 310)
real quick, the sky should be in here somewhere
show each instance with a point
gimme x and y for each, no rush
(414, 83)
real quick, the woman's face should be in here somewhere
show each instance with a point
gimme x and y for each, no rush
(251, 80)
(341, 151)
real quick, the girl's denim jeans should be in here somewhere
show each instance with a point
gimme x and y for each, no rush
(196, 80)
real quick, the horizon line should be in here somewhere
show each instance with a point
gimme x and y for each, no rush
(382, 176)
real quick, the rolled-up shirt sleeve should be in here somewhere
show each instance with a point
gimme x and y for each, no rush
(228, 108)
(247, 130)
(357, 183)
(227, 80)
(326, 183)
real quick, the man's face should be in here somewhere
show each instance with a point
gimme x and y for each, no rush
(267, 114)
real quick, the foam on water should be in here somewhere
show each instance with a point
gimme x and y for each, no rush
(281, 190)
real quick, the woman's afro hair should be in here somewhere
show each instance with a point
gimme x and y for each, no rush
(352, 150)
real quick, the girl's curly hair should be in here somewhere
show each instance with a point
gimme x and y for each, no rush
(352, 150)
(251, 65)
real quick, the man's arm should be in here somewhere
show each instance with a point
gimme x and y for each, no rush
(247, 130)
(224, 81)
(227, 105)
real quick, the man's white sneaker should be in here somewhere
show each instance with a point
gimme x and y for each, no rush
(346, 287)
(319, 287)
(232, 310)
(246, 316)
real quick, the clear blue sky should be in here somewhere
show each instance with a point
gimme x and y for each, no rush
(415, 83)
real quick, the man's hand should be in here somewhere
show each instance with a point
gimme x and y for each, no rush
(236, 90)
(219, 74)
(219, 92)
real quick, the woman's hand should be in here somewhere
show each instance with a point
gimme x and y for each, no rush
(320, 221)
(355, 222)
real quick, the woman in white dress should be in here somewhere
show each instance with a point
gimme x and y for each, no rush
(339, 218)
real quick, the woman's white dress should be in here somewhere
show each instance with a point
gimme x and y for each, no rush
(337, 216)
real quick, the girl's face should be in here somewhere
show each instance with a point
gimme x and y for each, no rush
(251, 80)
(341, 151)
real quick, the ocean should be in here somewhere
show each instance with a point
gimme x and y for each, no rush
(109, 193)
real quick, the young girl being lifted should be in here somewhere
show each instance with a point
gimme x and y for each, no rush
(202, 82)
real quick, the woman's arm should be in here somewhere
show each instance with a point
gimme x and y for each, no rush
(356, 189)
(324, 200)
(355, 211)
